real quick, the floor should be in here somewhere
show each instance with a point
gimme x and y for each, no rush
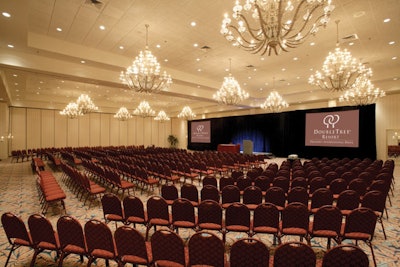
(18, 194)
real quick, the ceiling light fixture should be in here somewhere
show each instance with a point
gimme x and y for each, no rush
(340, 70)
(85, 104)
(274, 25)
(230, 92)
(274, 102)
(144, 110)
(363, 92)
(144, 75)
(72, 111)
(123, 114)
(162, 117)
(187, 114)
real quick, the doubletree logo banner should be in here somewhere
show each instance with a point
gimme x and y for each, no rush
(200, 132)
(334, 129)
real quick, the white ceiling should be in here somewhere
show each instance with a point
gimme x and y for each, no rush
(49, 72)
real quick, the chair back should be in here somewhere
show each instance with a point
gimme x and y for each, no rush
(345, 255)
(112, 207)
(206, 249)
(70, 233)
(294, 254)
(42, 232)
(134, 210)
(15, 229)
(249, 252)
(167, 249)
(209, 192)
(210, 215)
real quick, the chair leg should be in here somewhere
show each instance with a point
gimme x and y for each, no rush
(369, 243)
(13, 247)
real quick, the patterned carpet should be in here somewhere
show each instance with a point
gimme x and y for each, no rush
(19, 195)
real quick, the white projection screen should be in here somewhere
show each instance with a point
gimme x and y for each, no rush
(200, 131)
(332, 129)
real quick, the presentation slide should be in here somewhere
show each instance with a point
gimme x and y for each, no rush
(332, 129)
(200, 131)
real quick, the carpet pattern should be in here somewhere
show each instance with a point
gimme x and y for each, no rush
(19, 195)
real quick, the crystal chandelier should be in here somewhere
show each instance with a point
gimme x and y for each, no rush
(340, 70)
(85, 104)
(123, 114)
(363, 92)
(72, 111)
(162, 116)
(230, 92)
(274, 102)
(187, 114)
(144, 75)
(274, 25)
(144, 110)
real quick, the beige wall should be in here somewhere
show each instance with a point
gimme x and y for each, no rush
(35, 128)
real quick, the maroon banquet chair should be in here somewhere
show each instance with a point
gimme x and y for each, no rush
(206, 249)
(294, 254)
(167, 249)
(249, 252)
(345, 255)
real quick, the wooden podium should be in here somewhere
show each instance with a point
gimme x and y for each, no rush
(229, 148)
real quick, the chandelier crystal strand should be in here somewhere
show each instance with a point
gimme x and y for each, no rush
(230, 92)
(72, 111)
(85, 104)
(266, 26)
(187, 114)
(274, 102)
(363, 92)
(123, 114)
(340, 70)
(144, 110)
(162, 117)
(144, 75)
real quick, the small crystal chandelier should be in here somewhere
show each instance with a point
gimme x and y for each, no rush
(274, 102)
(340, 70)
(162, 117)
(85, 104)
(363, 92)
(72, 111)
(274, 25)
(230, 92)
(144, 110)
(123, 114)
(187, 114)
(144, 75)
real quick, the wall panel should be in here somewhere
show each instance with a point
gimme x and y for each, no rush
(104, 129)
(147, 131)
(47, 129)
(60, 130)
(95, 130)
(132, 131)
(139, 131)
(123, 132)
(114, 132)
(154, 132)
(73, 132)
(18, 129)
(84, 130)
(33, 128)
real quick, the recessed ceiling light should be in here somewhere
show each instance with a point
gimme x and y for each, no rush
(198, 70)
(158, 46)
(263, 58)
(59, 29)
(395, 78)
(6, 14)
(15, 83)
(394, 57)
(195, 45)
(166, 60)
(359, 14)
(392, 42)
(283, 69)
(121, 47)
(295, 58)
(83, 61)
(10, 46)
(197, 59)
(193, 23)
(386, 20)
(102, 27)
(351, 44)
(312, 43)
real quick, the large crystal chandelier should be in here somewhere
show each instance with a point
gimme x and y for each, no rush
(123, 114)
(144, 75)
(230, 92)
(340, 70)
(187, 114)
(85, 104)
(144, 110)
(363, 92)
(274, 102)
(162, 116)
(274, 25)
(72, 111)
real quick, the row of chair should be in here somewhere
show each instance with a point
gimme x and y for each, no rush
(49, 190)
(294, 219)
(95, 240)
